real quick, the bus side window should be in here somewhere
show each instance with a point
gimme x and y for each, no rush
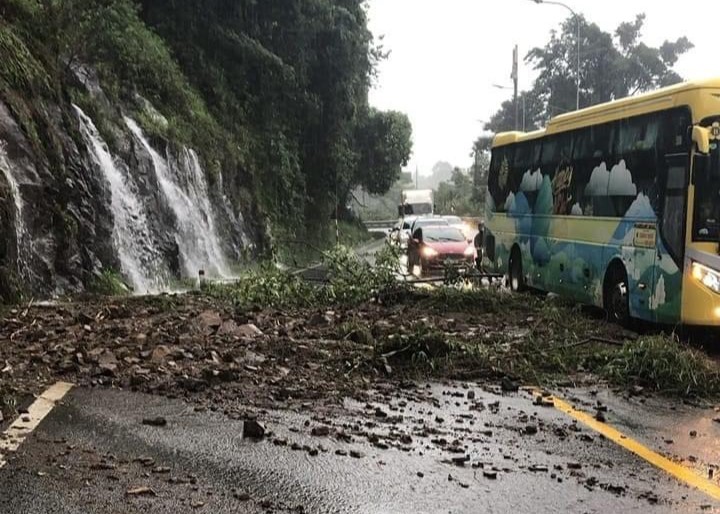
(638, 142)
(582, 159)
(499, 179)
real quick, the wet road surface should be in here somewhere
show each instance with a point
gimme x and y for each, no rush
(430, 448)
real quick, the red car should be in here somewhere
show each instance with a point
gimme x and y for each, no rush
(433, 248)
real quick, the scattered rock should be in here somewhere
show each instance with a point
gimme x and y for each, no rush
(320, 431)
(544, 401)
(508, 385)
(210, 320)
(636, 390)
(356, 454)
(492, 475)
(253, 429)
(471, 394)
(537, 468)
(248, 331)
(155, 422)
(140, 491)
(107, 362)
(159, 353)
(693, 433)
(530, 430)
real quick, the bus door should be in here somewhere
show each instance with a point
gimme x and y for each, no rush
(670, 240)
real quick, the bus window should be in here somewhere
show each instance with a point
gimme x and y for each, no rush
(525, 175)
(556, 164)
(592, 160)
(638, 140)
(675, 133)
(498, 180)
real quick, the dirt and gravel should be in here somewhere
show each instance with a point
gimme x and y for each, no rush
(221, 357)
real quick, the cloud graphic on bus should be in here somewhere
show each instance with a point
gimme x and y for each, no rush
(531, 181)
(599, 180)
(576, 210)
(621, 182)
(510, 202)
(641, 208)
(616, 182)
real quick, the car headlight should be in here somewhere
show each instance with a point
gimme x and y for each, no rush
(469, 251)
(708, 277)
(428, 252)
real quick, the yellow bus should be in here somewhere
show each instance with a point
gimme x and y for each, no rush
(616, 205)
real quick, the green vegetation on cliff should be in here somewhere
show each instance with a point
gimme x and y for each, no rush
(273, 93)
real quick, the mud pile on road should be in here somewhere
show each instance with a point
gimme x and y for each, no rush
(220, 356)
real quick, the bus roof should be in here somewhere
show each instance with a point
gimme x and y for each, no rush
(659, 99)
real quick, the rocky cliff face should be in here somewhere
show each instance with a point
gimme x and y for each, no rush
(73, 205)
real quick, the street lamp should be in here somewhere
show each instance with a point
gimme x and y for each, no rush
(499, 86)
(577, 23)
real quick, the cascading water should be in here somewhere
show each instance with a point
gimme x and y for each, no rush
(21, 234)
(141, 262)
(186, 193)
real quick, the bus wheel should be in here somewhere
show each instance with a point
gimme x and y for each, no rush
(515, 274)
(617, 302)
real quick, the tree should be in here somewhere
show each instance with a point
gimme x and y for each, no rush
(289, 79)
(384, 142)
(612, 66)
(480, 168)
(455, 196)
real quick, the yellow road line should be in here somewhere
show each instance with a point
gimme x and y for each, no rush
(679, 471)
(16, 433)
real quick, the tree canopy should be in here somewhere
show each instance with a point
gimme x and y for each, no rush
(612, 66)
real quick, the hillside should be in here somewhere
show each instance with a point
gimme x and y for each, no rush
(148, 141)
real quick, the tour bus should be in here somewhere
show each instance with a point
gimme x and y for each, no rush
(616, 205)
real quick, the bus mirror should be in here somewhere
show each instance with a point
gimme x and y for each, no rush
(701, 137)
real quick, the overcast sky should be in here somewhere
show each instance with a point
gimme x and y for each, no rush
(447, 54)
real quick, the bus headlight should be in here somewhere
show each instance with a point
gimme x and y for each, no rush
(708, 277)
(469, 251)
(429, 253)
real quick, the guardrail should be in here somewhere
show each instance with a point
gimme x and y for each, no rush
(380, 225)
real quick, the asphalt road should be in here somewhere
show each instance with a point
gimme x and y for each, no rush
(393, 455)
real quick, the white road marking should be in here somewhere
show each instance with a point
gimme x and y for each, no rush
(16, 433)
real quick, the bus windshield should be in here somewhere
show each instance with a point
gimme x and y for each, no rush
(706, 226)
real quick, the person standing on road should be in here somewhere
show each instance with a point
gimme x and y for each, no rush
(479, 241)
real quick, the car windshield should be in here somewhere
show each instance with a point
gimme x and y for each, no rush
(442, 234)
(430, 221)
(453, 219)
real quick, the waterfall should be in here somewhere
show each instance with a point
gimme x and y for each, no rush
(185, 190)
(141, 262)
(21, 234)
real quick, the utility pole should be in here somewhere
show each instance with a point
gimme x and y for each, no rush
(514, 76)
(417, 171)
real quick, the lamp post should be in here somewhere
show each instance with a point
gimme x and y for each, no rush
(577, 23)
(523, 95)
